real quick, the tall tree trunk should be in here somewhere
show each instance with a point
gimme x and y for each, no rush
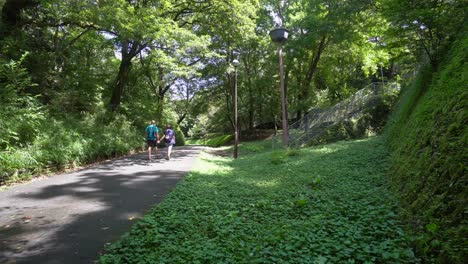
(159, 87)
(286, 82)
(129, 50)
(160, 107)
(181, 118)
(304, 93)
(229, 91)
(251, 97)
(121, 81)
(163, 88)
(314, 62)
(251, 107)
(160, 92)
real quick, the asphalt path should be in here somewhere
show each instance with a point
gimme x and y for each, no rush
(68, 218)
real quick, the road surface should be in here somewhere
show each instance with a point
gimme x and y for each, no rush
(68, 218)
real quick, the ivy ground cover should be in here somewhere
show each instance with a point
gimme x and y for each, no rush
(326, 204)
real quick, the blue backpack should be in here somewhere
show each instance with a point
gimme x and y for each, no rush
(152, 130)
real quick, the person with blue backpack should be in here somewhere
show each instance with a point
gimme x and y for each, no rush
(152, 138)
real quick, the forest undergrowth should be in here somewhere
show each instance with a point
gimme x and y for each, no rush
(329, 203)
(57, 144)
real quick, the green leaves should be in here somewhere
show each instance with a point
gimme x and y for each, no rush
(20, 112)
(426, 27)
(429, 154)
(247, 210)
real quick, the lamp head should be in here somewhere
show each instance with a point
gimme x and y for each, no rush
(279, 35)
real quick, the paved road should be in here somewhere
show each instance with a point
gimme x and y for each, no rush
(68, 218)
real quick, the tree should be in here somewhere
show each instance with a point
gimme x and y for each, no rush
(11, 14)
(332, 25)
(426, 27)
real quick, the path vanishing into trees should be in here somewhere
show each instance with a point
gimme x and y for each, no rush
(68, 218)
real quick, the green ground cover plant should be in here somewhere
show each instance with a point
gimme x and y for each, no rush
(324, 204)
(215, 140)
(428, 139)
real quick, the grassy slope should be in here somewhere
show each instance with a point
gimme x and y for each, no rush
(428, 138)
(316, 205)
(212, 142)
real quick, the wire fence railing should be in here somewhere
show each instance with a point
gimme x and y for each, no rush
(317, 121)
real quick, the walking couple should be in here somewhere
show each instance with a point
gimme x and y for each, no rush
(152, 139)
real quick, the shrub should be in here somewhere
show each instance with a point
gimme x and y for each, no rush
(16, 165)
(278, 157)
(180, 137)
(213, 140)
(219, 141)
(68, 142)
(20, 113)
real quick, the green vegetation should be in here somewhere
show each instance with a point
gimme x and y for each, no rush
(79, 80)
(213, 140)
(68, 143)
(371, 121)
(322, 204)
(429, 142)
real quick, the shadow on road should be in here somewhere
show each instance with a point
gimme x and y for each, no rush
(68, 218)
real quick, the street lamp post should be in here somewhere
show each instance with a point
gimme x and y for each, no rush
(280, 36)
(235, 63)
(381, 71)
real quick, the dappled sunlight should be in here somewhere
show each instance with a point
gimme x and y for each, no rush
(310, 199)
(265, 184)
(81, 211)
(335, 147)
(325, 150)
(85, 189)
(130, 216)
(213, 165)
(21, 239)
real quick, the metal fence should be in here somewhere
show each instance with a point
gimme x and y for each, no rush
(317, 121)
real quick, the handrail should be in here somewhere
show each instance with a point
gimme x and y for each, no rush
(315, 122)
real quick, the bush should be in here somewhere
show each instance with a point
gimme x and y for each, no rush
(16, 165)
(180, 138)
(219, 141)
(278, 157)
(20, 113)
(213, 140)
(64, 143)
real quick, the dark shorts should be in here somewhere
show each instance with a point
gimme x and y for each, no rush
(151, 143)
